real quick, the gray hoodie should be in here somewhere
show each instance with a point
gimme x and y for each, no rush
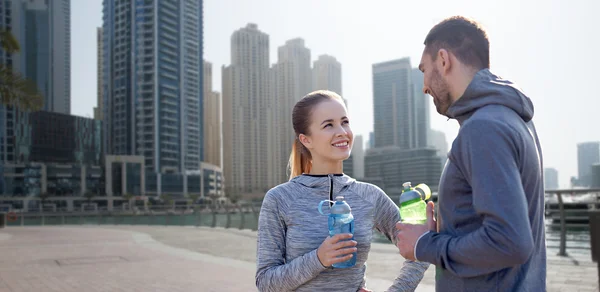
(491, 195)
(290, 229)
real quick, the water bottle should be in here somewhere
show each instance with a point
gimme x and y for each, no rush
(340, 221)
(413, 209)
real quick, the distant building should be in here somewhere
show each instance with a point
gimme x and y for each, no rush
(588, 154)
(394, 166)
(596, 176)
(551, 178)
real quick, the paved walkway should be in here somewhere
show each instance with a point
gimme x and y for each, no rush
(161, 258)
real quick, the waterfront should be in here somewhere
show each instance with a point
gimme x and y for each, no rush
(578, 237)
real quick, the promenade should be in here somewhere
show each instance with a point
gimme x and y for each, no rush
(171, 258)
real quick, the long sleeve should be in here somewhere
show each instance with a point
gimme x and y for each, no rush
(487, 154)
(386, 217)
(272, 272)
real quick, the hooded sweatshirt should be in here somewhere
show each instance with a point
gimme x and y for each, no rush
(291, 229)
(491, 195)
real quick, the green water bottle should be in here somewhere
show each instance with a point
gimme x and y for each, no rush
(413, 209)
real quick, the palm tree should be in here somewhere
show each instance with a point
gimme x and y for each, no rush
(15, 89)
(166, 199)
(193, 198)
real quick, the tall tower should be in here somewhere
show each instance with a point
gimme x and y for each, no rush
(293, 80)
(400, 108)
(100, 62)
(43, 30)
(327, 74)
(152, 82)
(212, 120)
(247, 114)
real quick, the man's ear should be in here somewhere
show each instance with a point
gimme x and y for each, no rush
(444, 60)
(305, 140)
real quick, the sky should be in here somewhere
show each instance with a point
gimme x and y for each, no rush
(548, 48)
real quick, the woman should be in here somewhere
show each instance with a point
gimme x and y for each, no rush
(294, 249)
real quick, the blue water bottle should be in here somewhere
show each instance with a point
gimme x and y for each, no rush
(340, 221)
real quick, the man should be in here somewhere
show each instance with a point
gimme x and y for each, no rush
(490, 227)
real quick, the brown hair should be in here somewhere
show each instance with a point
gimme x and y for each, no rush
(464, 37)
(300, 159)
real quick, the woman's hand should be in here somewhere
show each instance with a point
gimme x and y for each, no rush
(336, 249)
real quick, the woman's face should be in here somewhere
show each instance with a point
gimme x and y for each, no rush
(330, 138)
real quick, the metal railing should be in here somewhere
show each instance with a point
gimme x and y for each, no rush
(241, 216)
(563, 216)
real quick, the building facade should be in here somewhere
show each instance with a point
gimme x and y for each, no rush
(248, 115)
(394, 166)
(56, 155)
(212, 119)
(327, 74)
(43, 30)
(588, 154)
(100, 63)
(153, 84)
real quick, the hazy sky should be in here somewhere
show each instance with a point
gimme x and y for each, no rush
(549, 48)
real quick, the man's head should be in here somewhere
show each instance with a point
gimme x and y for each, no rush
(455, 49)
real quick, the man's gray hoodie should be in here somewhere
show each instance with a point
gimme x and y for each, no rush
(491, 195)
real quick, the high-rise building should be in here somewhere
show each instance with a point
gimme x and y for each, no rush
(588, 154)
(358, 154)
(595, 176)
(212, 119)
(394, 104)
(371, 142)
(421, 125)
(550, 178)
(43, 30)
(152, 85)
(395, 166)
(248, 140)
(293, 80)
(401, 127)
(327, 74)
(100, 63)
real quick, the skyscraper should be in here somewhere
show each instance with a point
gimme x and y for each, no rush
(588, 154)
(327, 74)
(248, 115)
(401, 127)
(359, 157)
(100, 63)
(293, 80)
(212, 119)
(393, 104)
(43, 30)
(152, 83)
(421, 125)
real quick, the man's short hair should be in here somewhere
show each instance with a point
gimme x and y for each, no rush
(463, 37)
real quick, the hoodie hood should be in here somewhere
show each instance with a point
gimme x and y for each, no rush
(485, 89)
(325, 183)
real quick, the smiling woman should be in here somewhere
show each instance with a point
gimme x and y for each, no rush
(323, 135)
(295, 252)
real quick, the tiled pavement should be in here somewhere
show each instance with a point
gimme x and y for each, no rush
(157, 258)
(69, 259)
